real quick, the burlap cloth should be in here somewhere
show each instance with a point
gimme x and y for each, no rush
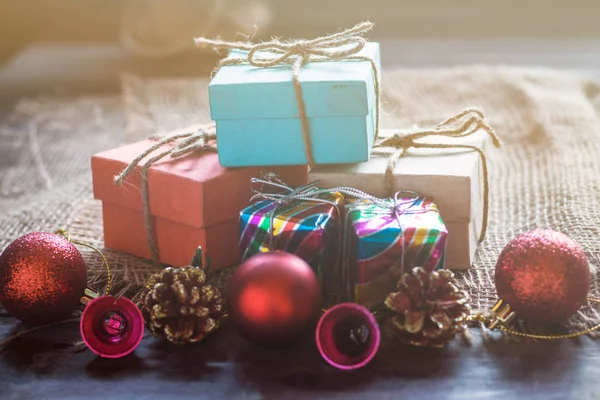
(546, 175)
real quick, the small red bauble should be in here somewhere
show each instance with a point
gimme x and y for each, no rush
(543, 276)
(42, 278)
(273, 298)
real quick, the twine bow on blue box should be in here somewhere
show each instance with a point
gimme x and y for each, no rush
(297, 102)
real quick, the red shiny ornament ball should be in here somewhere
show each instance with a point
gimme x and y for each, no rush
(42, 278)
(273, 298)
(543, 276)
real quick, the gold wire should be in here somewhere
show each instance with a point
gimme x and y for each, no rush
(63, 232)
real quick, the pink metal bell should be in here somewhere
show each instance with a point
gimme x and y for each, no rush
(112, 327)
(348, 336)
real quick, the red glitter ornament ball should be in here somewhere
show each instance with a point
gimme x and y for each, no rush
(543, 276)
(42, 278)
(273, 298)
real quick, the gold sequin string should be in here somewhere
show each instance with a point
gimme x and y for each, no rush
(480, 317)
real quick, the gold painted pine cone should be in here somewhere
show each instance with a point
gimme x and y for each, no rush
(179, 306)
(428, 308)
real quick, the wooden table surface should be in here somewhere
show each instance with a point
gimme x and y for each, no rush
(226, 366)
(41, 366)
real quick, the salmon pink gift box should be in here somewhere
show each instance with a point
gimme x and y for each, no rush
(193, 201)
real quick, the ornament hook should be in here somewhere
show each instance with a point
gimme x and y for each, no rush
(503, 315)
(88, 292)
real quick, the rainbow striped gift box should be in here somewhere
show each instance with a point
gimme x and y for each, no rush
(385, 239)
(311, 230)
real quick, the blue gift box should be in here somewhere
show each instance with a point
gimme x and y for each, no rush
(257, 120)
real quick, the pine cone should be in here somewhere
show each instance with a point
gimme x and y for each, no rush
(179, 306)
(429, 308)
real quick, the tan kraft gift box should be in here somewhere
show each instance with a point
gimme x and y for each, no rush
(453, 177)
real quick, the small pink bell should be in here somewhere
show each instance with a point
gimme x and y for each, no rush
(348, 336)
(112, 327)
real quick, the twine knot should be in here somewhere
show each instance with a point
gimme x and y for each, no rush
(333, 47)
(200, 141)
(398, 141)
(341, 46)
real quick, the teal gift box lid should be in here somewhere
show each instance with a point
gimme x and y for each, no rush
(256, 111)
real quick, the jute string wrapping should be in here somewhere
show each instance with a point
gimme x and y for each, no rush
(459, 125)
(199, 140)
(341, 46)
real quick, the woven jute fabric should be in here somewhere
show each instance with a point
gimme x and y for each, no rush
(546, 175)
